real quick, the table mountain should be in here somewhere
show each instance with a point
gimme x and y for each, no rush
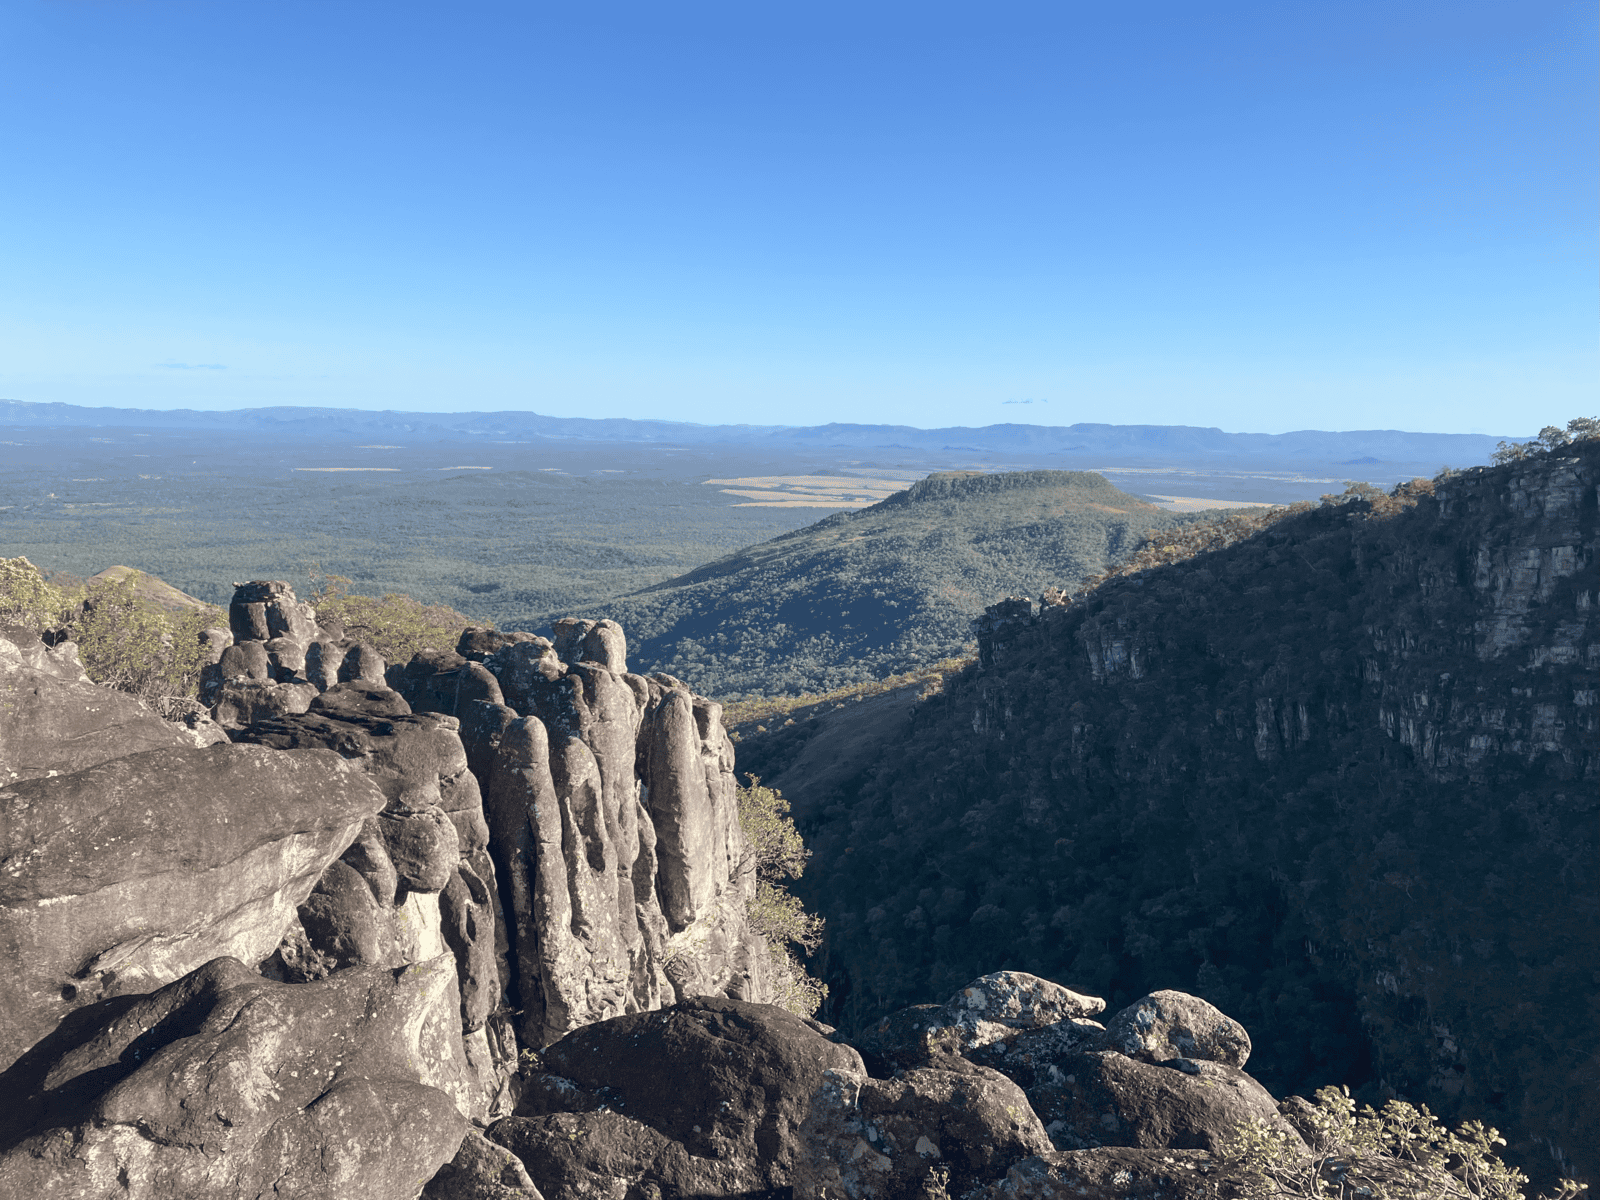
(862, 595)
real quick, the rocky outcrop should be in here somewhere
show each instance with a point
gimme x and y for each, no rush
(226, 1084)
(417, 880)
(614, 826)
(280, 658)
(123, 877)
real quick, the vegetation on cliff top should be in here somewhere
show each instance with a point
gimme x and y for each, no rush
(396, 625)
(776, 913)
(124, 640)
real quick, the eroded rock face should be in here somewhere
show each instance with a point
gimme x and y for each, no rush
(614, 825)
(54, 721)
(417, 880)
(227, 1084)
(125, 876)
(905, 1138)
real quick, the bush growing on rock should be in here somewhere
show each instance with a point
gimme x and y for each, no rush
(775, 913)
(1402, 1150)
(124, 641)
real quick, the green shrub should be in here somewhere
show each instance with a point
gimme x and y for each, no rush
(774, 912)
(135, 646)
(396, 625)
(28, 599)
(1401, 1152)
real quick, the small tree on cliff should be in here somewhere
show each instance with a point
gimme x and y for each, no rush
(775, 913)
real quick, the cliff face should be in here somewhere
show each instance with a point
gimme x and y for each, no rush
(1338, 779)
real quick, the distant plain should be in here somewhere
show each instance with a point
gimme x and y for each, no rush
(508, 530)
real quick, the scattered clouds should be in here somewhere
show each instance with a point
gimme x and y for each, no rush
(177, 366)
(1024, 402)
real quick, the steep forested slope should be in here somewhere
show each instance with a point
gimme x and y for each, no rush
(864, 594)
(1339, 779)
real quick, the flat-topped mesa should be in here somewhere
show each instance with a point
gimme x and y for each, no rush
(280, 657)
(614, 824)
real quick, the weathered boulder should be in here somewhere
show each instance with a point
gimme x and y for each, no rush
(227, 1084)
(1102, 1098)
(244, 660)
(477, 643)
(53, 721)
(1169, 1024)
(26, 647)
(237, 703)
(611, 1156)
(923, 1132)
(481, 1170)
(726, 1079)
(130, 874)
(993, 1009)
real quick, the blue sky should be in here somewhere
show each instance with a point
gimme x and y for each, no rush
(1294, 214)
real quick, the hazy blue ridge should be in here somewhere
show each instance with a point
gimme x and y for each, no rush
(1159, 442)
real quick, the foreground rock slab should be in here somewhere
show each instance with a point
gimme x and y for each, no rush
(125, 876)
(225, 1084)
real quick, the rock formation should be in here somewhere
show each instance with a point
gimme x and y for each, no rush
(614, 828)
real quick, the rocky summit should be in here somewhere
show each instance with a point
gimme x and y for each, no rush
(485, 925)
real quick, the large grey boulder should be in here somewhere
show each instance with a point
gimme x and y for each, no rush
(1103, 1098)
(1168, 1024)
(925, 1132)
(708, 1093)
(227, 1084)
(54, 721)
(125, 876)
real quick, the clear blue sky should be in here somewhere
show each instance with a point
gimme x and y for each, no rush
(1265, 216)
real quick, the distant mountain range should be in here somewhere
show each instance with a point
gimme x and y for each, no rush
(1154, 443)
(862, 595)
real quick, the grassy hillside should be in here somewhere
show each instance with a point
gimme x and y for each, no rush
(862, 595)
